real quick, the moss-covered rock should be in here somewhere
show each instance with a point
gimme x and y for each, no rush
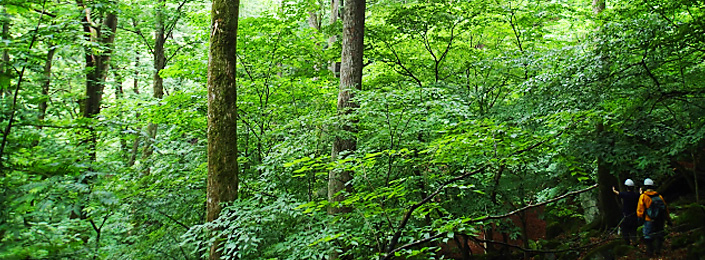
(623, 249)
(566, 225)
(553, 229)
(692, 217)
(611, 250)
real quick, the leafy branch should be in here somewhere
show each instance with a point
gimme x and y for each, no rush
(391, 250)
(395, 238)
(13, 108)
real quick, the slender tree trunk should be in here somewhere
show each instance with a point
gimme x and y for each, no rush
(598, 6)
(119, 79)
(135, 82)
(314, 20)
(135, 149)
(97, 64)
(159, 58)
(5, 55)
(136, 90)
(119, 94)
(350, 80)
(222, 111)
(696, 162)
(14, 95)
(610, 214)
(334, 14)
(47, 83)
(158, 82)
(96, 68)
(3, 63)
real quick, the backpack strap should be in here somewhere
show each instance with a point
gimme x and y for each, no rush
(655, 195)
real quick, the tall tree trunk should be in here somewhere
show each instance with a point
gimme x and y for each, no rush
(136, 90)
(96, 68)
(610, 214)
(334, 14)
(3, 63)
(119, 94)
(350, 80)
(222, 111)
(47, 83)
(158, 82)
(696, 163)
(159, 58)
(5, 55)
(97, 63)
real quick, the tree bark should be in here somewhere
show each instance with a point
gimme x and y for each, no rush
(46, 84)
(96, 65)
(350, 80)
(222, 111)
(135, 82)
(159, 58)
(598, 6)
(610, 214)
(119, 79)
(334, 14)
(314, 20)
(157, 82)
(5, 54)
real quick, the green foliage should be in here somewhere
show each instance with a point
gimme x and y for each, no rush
(262, 228)
(467, 110)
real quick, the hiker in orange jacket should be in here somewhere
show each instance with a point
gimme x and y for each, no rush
(653, 210)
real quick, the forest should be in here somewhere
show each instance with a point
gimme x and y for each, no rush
(377, 129)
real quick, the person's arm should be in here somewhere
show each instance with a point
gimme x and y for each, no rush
(615, 191)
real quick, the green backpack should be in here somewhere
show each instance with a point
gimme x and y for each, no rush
(657, 210)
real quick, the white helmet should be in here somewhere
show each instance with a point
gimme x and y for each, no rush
(648, 182)
(629, 183)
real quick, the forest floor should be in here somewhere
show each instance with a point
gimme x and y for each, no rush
(636, 252)
(667, 252)
(672, 248)
(685, 240)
